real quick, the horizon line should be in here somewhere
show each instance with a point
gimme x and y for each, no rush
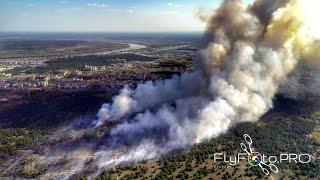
(18, 31)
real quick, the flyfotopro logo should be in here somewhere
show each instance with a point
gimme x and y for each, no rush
(255, 158)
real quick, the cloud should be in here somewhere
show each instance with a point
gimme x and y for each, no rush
(97, 5)
(63, 2)
(130, 11)
(176, 5)
(31, 5)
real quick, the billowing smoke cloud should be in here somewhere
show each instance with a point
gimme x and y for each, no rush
(249, 51)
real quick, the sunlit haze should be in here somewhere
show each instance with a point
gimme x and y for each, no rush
(102, 15)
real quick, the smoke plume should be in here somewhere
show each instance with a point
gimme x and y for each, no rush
(249, 51)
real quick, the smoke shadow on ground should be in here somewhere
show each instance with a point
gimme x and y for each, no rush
(292, 107)
(54, 111)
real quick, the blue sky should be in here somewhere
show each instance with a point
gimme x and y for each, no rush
(102, 15)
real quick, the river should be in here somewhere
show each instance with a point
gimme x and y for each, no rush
(131, 47)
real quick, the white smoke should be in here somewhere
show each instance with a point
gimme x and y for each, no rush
(150, 94)
(248, 53)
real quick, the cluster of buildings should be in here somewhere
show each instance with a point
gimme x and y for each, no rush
(30, 82)
(94, 68)
(76, 79)
(28, 62)
(90, 68)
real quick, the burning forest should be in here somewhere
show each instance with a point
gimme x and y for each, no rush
(248, 51)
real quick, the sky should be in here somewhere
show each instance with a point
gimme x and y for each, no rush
(103, 15)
